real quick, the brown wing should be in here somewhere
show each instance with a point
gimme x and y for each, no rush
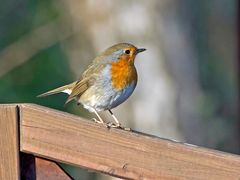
(93, 70)
(88, 79)
(79, 88)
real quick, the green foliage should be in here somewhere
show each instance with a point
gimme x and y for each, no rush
(47, 69)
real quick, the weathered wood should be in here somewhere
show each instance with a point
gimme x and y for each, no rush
(63, 137)
(9, 143)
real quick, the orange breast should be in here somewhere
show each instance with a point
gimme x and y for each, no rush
(123, 74)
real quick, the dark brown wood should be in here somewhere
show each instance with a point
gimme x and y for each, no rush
(27, 166)
(9, 143)
(66, 138)
(49, 170)
(33, 168)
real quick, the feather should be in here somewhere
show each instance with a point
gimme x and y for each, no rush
(65, 88)
(79, 88)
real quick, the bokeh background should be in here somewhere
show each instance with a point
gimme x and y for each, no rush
(188, 77)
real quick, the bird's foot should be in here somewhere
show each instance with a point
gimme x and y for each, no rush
(97, 121)
(119, 126)
(113, 125)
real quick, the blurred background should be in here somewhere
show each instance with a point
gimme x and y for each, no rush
(188, 77)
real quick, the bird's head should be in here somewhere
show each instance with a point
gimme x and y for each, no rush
(121, 51)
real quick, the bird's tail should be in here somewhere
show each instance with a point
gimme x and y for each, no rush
(65, 89)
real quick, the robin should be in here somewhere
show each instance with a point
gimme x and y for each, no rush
(108, 81)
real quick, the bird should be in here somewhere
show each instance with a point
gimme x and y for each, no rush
(107, 82)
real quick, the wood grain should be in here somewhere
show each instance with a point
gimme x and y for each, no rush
(9, 143)
(63, 137)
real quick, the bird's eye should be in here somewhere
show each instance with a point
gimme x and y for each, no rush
(127, 51)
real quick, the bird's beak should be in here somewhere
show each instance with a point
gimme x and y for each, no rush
(141, 50)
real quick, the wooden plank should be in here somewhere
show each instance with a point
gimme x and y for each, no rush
(49, 170)
(9, 143)
(63, 137)
(36, 168)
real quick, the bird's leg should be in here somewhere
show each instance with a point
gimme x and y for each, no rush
(117, 125)
(99, 120)
(115, 119)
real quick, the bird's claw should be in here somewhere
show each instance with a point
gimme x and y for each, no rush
(119, 126)
(97, 121)
(113, 125)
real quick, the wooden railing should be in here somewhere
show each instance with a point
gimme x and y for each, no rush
(30, 132)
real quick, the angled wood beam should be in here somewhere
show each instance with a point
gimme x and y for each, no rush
(70, 139)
